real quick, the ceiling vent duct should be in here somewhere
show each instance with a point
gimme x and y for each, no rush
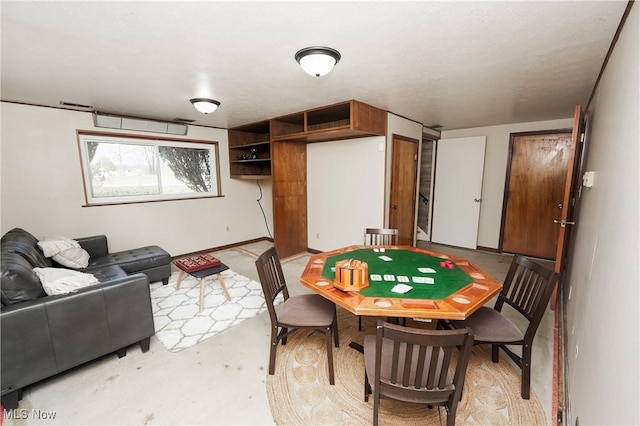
(111, 121)
(431, 132)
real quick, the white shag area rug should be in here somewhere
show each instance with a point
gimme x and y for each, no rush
(178, 323)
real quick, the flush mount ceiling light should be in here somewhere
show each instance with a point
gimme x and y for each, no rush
(317, 61)
(204, 105)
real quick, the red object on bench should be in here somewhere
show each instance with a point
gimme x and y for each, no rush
(197, 263)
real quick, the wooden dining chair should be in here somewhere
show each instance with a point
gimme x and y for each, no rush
(380, 237)
(307, 311)
(527, 288)
(413, 365)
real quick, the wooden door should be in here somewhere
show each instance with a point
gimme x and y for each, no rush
(534, 192)
(458, 191)
(402, 197)
(567, 216)
(289, 171)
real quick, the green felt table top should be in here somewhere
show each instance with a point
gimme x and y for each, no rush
(403, 263)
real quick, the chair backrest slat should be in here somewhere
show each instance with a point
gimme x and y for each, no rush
(271, 278)
(380, 236)
(421, 359)
(527, 287)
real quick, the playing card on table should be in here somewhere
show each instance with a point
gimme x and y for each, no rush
(401, 288)
(423, 280)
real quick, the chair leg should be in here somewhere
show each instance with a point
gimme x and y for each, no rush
(376, 405)
(328, 331)
(451, 415)
(359, 323)
(272, 352)
(336, 337)
(525, 386)
(495, 357)
(367, 387)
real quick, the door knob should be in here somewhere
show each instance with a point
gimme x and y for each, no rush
(477, 200)
(563, 222)
(393, 206)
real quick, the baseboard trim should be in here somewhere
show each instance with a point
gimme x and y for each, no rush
(224, 247)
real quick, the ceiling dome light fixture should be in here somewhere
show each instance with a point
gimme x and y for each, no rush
(317, 61)
(204, 105)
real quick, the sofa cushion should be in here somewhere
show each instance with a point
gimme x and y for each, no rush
(63, 281)
(132, 261)
(20, 241)
(51, 246)
(18, 281)
(107, 273)
(65, 251)
(74, 258)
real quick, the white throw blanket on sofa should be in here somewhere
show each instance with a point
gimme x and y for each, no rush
(63, 281)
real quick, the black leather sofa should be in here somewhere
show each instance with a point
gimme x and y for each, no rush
(42, 335)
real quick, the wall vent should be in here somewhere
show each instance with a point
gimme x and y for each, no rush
(111, 121)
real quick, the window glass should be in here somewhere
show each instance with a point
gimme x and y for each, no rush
(120, 169)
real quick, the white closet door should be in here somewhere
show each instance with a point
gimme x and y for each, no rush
(458, 191)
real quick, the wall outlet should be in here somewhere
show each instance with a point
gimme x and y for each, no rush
(228, 228)
(317, 235)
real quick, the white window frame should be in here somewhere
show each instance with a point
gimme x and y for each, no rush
(85, 136)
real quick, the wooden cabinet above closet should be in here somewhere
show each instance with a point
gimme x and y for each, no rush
(345, 120)
(249, 145)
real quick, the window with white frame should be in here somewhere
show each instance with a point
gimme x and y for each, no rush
(121, 169)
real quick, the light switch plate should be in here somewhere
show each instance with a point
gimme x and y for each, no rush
(588, 178)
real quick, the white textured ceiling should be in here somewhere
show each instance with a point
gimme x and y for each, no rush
(457, 64)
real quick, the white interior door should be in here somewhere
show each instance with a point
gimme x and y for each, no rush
(458, 191)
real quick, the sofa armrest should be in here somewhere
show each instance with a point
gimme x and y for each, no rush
(51, 334)
(27, 354)
(95, 245)
(100, 319)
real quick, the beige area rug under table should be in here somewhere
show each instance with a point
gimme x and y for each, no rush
(299, 391)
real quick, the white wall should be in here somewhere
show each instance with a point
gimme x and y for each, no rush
(345, 191)
(603, 324)
(41, 189)
(495, 170)
(348, 185)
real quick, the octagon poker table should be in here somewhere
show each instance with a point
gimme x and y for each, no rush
(404, 281)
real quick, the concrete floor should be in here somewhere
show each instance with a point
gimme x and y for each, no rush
(219, 381)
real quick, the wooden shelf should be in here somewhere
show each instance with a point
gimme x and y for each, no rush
(344, 120)
(276, 149)
(250, 151)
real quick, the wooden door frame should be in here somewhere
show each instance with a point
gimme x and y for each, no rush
(505, 197)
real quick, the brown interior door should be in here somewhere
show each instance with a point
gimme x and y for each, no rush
(289, 174)
(567, 216)
(535, 193)
(402, 198)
